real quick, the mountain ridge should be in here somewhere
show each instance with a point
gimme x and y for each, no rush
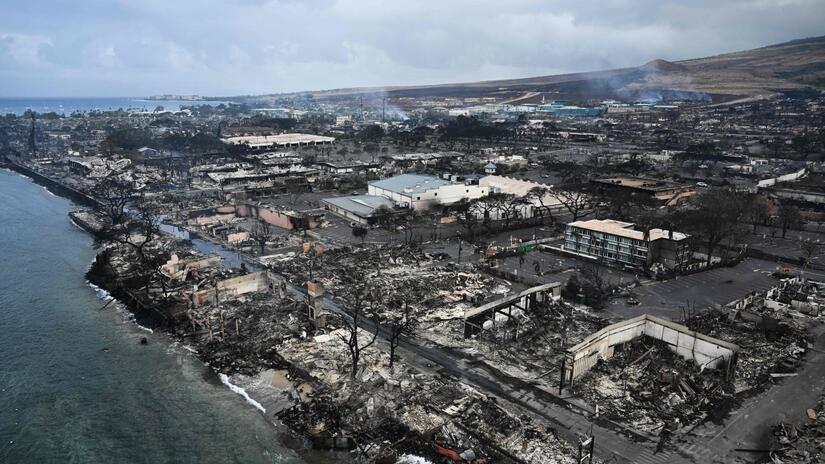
(794, 65)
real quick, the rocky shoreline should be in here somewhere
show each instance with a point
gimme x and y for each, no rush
(267, 381)
(249, 362)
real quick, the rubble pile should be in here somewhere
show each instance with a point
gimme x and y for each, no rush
(647, 386)
(766, 346)
(479, 422)
(380, 413)
(536, 354)
(243, 335)
(802, 443)
(554, 327)
(793, 300)
(133, 276)
(438, 293)
(402, 405)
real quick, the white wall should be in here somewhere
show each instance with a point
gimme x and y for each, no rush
(785, 178)
(444, 195)
(700, 348)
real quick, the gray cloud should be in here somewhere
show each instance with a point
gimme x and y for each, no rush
(136, 47)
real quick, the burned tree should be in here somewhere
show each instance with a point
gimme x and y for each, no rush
(295, 192)
(402, 318)
(260, 233)
(139, 230)
(466, 215)
(115, 195)
(810, 250)
(575, 199)
(789, 218)
(541, 194)
(714, 217)
(354, 339)
(383, 217)
(756, 210)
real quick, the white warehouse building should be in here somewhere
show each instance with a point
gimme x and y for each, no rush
(423, 192)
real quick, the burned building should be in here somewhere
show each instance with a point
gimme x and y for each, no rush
(669, 193)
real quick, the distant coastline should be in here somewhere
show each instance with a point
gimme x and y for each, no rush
(68, 105)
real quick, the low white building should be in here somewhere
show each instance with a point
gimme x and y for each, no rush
(280, 140)
(423, 192)
(521, 189)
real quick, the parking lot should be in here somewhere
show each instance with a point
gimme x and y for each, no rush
(669, 299)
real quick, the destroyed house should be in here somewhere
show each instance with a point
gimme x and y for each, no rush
(705, 351)
(408, 159)
(494, 316)
(619, 243)
(669, 193)
(341, 167)
(231, 288)
(268, 142)
(239, 177)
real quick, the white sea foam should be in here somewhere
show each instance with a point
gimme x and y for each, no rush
(127, 315)
(103, 294)
(78, 226)
(241, 391)
(190, 349)
(411, 459)
(49, 192)
(144, 328)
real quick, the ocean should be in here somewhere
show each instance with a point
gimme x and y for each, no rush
(76, 384)
(67, 105)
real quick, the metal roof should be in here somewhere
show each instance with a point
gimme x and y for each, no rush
(360, 205)
(410, 183)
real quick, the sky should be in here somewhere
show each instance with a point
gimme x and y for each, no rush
(250, 47)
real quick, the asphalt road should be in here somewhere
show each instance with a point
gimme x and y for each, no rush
(750, 425)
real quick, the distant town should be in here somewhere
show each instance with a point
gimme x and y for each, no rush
(474, 278)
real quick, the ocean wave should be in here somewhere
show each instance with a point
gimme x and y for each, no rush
(103, 294)
(127, 315)
(147, 329)
(77, 225)
(190, 349)
(411, 459)
(49, 191)
(21, 174)
(130, 318)
(225, 380)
